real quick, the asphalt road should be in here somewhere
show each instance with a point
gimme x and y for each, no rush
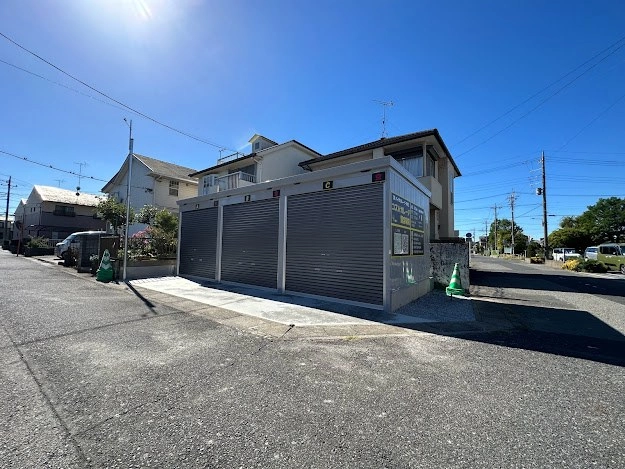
(94, 376)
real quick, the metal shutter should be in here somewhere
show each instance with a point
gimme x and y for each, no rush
(198, 243)
(250, 243)
(334, 243)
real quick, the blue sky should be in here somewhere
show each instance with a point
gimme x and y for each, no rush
(312, 71)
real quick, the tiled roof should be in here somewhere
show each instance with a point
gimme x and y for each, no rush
(64, 196)
(168, 170)
(382, 143)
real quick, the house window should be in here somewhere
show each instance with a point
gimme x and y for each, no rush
(412, 160)
(173, 188)
(451, 189)
(430, 166)
(256, 145)
(64, 211)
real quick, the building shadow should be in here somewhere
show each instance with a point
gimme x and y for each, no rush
(611, 285)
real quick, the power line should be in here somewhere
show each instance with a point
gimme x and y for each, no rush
(537, 93)
(62, 85)
(49, 166)
(139, 113)
(566, 85)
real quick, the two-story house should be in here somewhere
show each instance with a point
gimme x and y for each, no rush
(353, 225)
(268, 161)
(425, 156)
(55, 213)
(153, 182)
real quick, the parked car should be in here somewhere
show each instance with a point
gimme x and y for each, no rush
(564, 254)
(612, 255)
(61, 248)
(591, 253)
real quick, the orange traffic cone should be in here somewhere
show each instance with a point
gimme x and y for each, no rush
(455, 286)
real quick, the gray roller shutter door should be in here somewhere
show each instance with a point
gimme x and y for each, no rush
(335, 243)
(250, 243)
(198, 243)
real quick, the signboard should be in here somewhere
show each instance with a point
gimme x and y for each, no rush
(276, 193)
(327, 185)
(407, 224)
(378, 177)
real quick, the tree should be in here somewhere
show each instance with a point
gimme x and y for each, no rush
(147, 214)
(113, 212)
(577, 238)
(605, 220)
(504, 236)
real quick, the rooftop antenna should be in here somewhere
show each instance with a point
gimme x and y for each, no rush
(384, 105)
(80, 165)
(59, 181)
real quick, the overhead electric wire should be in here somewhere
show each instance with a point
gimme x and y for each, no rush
(62, 85)
(566, 85)
(82, 176)
(538, 93)
(137, 112)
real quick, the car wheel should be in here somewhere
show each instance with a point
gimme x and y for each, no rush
(622, 269)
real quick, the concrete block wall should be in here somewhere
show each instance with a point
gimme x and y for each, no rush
(444, 254)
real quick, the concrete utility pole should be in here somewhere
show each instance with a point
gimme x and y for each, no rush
(544, 191)
(512, 199)
(6, 213)
(496, 249)
(130, 156)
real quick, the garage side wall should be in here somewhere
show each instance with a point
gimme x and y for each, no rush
(409, 252)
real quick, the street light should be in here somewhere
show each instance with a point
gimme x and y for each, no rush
(130, 156)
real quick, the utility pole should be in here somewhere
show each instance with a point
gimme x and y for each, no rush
(544, 192)
(512, 199)
(6, 214)
(486, 233)
(130, 157)
(496, 249)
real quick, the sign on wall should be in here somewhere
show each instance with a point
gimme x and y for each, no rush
(407, 225)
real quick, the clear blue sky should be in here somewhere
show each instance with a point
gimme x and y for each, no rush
(310, 71)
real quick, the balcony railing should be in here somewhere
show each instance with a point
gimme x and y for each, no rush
(229, 181)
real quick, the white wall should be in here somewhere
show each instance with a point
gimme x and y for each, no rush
(162, 197)
(283, 162)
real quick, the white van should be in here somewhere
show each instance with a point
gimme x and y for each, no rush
(61, 248)
(564, 254)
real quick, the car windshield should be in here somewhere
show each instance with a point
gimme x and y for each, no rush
(69, 239)
(569, 251)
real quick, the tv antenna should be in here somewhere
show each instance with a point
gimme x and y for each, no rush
(80, 176)
(59, 181)
(384, 105)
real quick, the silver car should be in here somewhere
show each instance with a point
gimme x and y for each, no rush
(591, 253)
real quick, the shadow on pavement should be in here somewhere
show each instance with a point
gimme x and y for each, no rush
(550, 282)
(557, 331)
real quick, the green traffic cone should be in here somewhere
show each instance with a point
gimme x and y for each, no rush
(105, 272)
(455, 286)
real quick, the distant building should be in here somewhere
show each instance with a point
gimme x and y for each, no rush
(55, 213)
(6, 228)
(154, 182)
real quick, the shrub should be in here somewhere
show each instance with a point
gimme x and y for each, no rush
(592, 265)
(537, 260)
(38, 242)
(572, 264)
